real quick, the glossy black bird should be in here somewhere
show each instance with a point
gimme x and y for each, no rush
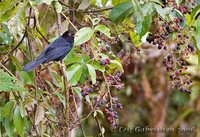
(56, 51)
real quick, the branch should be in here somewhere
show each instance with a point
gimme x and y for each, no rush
(98, 10)
(69, 21)
(66, 91)
(78, 115)
(42, 35)
(9, 53)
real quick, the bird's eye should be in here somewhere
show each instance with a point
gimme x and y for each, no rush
(69, 34)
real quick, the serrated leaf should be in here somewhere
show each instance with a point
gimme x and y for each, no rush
(74, 73)
(39, 114)
(18, 122)
(103, 29)
(92, 73)
(121, 11)
(58, 7)
(83, 35)
(7, 109)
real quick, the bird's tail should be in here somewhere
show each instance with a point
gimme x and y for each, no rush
(32, 65)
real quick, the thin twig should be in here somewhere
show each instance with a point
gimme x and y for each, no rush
(75, 106)
(98, 123)
(9, 53)
(98, 10)
(66, 91)
(7, 70)
(69, 21)
(37, 29)
(87, 116)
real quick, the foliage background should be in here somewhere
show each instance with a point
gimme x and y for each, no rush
(33, 104)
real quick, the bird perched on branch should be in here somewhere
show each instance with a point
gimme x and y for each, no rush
(56, 51)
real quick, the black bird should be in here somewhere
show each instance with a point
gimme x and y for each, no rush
(56, 51)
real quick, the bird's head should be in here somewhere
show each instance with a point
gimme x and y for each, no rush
(68, 33)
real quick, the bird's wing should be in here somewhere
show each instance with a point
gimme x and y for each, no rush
(57, 49)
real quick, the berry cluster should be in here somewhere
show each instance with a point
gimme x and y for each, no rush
(86, 91)
(113, 117)
(114, 80)
(179, 81)
(184, 9)
(105, 62)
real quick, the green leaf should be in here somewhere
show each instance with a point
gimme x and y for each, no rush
(95, 21)
(144, 26)
(38, 2)
(103, 29)
(77, 90)
(74, 73)
(72, 57)
(104, 2)
(116, 2)
(196, 40)
(27, 78)
(198, 27)
(58, 7)
(12, 11)
(97, 66)
(162, 11)
(84, 74)
(9, 127)
(62, 99)
(18, 122)
(194, 12)
(121, 11)
(83, 35)
(92, 73)
(39, 114)
(9, 83)
(116, 64)
(7, 109)
(48, 2)
(135, 38)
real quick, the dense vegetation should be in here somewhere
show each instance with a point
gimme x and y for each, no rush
(134, 64)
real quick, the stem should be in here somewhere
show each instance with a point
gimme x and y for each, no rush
(78, 115)
(69, 21)
(66, 91)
